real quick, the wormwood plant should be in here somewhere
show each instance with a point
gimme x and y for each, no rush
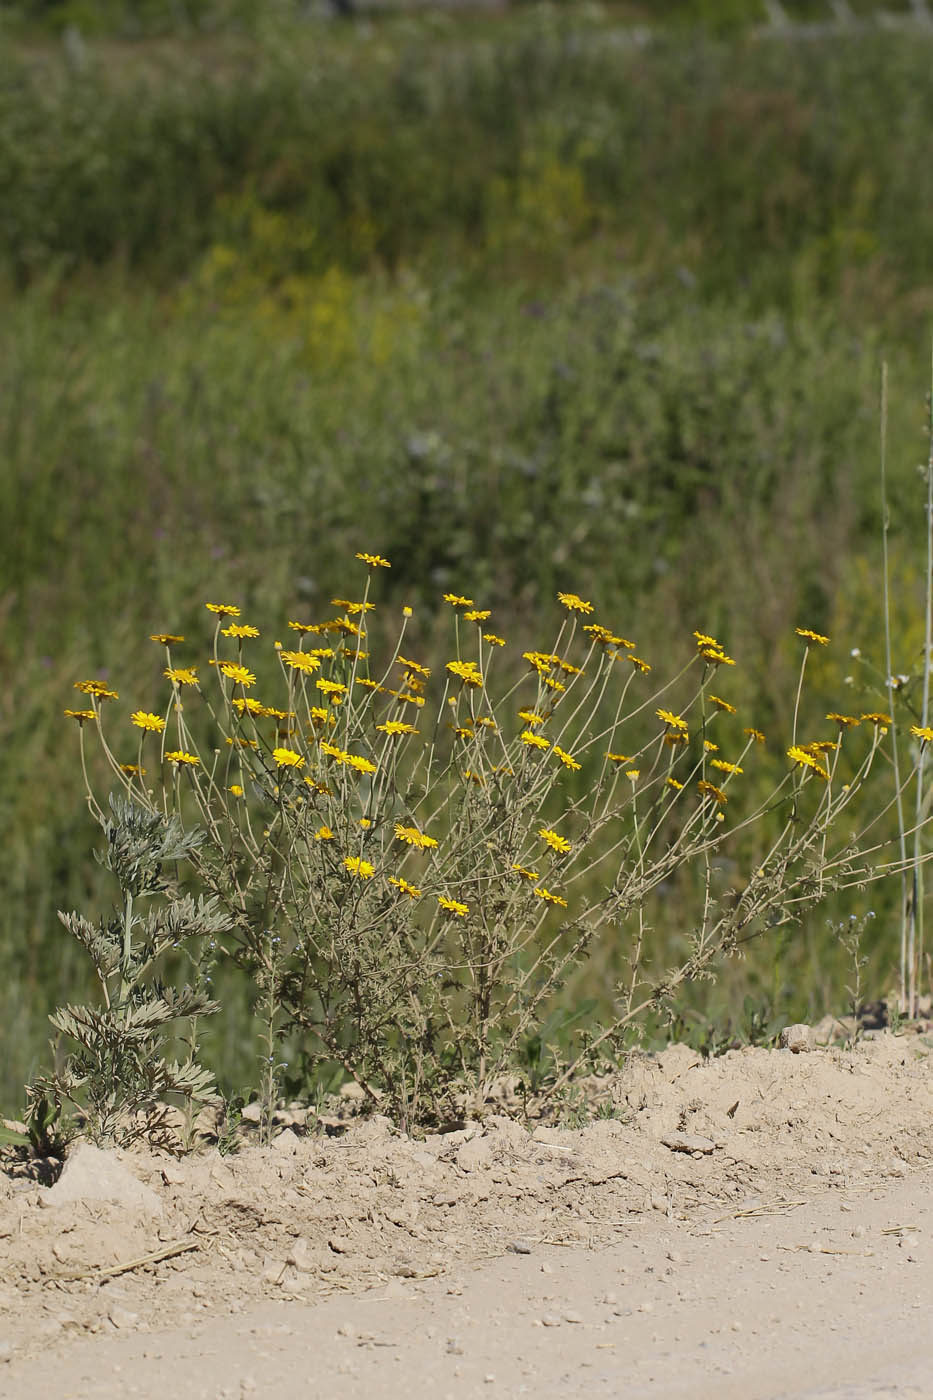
(119, 1077)
(411, 866)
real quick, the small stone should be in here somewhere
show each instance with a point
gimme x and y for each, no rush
(339, 1244)
(90, 1174)
(572, 1317)
(797, 1038)
(6, 1350)
(546, 1268)
(301, 1256)
(646, 1307)
(473, 1154)
(454, 1346)
(252, 1113)
(446, 1198)
(859, 1232)
(346, 1329)
(549, 1320)
(489, 1378)
(519, 1247)
(285, 1143)
(675, 1256)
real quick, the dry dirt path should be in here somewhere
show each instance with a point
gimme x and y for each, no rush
(788, 1255)
(818, 1302)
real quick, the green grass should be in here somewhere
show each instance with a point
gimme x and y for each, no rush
(519, 316)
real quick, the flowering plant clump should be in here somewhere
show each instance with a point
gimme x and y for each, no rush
(414, 858)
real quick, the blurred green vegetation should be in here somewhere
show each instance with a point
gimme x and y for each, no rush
(517, 306)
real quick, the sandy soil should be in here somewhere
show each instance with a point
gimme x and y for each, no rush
(760, 1225)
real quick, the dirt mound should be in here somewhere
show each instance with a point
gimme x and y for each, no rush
(355, 1205)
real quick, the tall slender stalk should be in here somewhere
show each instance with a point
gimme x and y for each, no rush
(907, 911)
(915, 951)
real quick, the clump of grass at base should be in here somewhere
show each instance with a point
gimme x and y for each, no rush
(411, 865)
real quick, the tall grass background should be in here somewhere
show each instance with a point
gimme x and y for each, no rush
(515, 302)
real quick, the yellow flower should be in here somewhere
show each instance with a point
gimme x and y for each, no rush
(820, 746)
(354, 609)
(237, 629)
(923, 732)
(639, 665)
(360, 868)
(330, 687)
(413, 837)
(323, 833)
(304, 626)
(569, 669)
(705, 640)
(476, 778)
(456, 601)
(362, 765)
(493, 640)
(477, 615)
(711, 790)
(409, 698)
(567, 759)
(318, 715)
(574, 603)
(618, 757)
(725, 767)
(235, 789)
(180, 756)
(844, 721)
(467, 672)
(99, 689)
(757, 735)
(453, 906)
(879, 717)
(550, 898)
(182, 675)
(287, 758)
(554, 685)
(223, 609)
(166, 638)
(375, 561)
(531, 717)
(301, 660)
(487, 722)
(710, 747)
(633, 774)
(81, 715)
(675, 721)
(144, 720)
(723, 705)
(402, 884)
(536, 741)
(674, 737)
(369, 685)
(396, 726)
(673, 783)
(812, 636)
(554, 839)
(542, 661)
(244, 743)
(132, 770)
(414, 666)
(808, 760)
(237, 673)
(525, 873)
(716, 657)
(407, 612)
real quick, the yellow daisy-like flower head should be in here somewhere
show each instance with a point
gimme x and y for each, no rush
(82, 716)
(144, 720)
(725, 767)
(812, 636)
(182, 675)
(550, 898)
(132, 770)
(415, 666)
(716, 657)
(574, 603)
(453, 906)
(354, 609)
(554, 840)
(413, 837)
(477, 615)
(402, 884)
(375, 561)
(673, 721)
(237, 629)
(525, 873)
(879, 718)
(456, 601)
(633, 774)
(223, 609)
(534, 741)
(330, 687)
(703, 639)
(923, 732)
(755, 734)
(844, 721)
(235, 789)
(567, 759)
(301, 660)
(642, 666)
(236, 673)
(673, 783)
(711, 790)
(493, 640)
(287, 758)
(99, 689)
(804, 759)
(360, 868)
(180, 756)
(722, 705)
(619, 757)
(396, 726)
(531, 718)
(165, 638)
(465, 671)
(323, 833)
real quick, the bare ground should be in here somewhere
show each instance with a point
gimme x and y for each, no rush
(789, 1253)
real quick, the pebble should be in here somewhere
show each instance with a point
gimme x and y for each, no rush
(519, 1247)
(797, 1038)
(687, 1142)
(454, 1346)
(549, 1320)
(572, 1317)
